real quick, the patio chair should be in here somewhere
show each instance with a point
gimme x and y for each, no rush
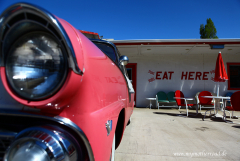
(235, 103)
(161, 97)
(205, 102)
(228, 102)
(182, 101)
(170, 97)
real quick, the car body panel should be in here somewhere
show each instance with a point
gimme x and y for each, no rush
(89, 100)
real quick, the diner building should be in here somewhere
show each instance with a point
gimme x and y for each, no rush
(179, 64)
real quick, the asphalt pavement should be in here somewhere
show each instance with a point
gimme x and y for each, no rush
(167, 134)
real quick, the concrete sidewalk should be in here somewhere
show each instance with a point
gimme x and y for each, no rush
(167, 134)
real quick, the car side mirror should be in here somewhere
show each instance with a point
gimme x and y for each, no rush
(123, 60)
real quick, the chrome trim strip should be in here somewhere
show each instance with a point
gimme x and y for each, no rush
(47, 15)
(108, 126)
(7, 134)
(58, 119)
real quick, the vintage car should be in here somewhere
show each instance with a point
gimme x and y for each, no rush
(61, 97)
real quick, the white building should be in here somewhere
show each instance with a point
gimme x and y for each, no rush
(179, 64)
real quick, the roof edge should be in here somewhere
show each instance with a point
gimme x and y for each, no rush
(175, 41)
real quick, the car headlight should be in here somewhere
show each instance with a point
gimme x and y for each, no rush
(36, 66)
(43, 143)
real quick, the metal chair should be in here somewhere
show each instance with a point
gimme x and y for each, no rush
(206, 102)
(228, 102)
(182, 101)
(161, 97)
(170, 97)
(203, 102)
(235, 103)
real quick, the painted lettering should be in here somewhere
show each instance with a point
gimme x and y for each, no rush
(184, 75)
(198, 75)
(114, 80)
(151, 72)
(170, 76)
(165, 75)
(205, 75)
(212, 71)
(151, 80)
(158, 75)
(190, 76)
(107, 79)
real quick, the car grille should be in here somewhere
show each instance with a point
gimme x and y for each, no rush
(5, 141)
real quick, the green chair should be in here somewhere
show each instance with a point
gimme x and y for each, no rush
(171, 96)
(161, 97)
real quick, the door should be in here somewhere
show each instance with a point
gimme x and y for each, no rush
(132, 75)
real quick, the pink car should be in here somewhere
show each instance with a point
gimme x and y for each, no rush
(61, 97)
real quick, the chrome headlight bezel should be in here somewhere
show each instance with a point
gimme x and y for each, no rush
(38, 83)
(22, 18)
(20, 12)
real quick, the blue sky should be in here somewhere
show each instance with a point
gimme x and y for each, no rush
(145, 19)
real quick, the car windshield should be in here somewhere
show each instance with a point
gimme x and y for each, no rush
(108, 50)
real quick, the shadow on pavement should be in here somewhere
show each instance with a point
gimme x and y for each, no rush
(193, 115)
(190, 114)
(236, 126)
(219, 119)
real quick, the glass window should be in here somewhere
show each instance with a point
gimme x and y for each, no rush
(129, 73)
(108, 50)
(233, 76)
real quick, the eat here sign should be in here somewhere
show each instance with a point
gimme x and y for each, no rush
(184, 76)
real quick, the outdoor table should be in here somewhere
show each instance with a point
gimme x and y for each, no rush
(151, 99)
(186, 99)
(219, 97)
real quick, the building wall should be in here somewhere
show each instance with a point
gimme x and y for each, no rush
(167, 72)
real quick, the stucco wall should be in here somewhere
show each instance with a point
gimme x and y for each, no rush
(149, 65)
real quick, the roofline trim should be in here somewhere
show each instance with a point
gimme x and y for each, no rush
(176, 42)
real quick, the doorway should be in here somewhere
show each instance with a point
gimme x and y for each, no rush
(132, 75)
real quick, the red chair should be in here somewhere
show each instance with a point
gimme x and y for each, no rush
(235, 103)
(205, 101)
(182, 101)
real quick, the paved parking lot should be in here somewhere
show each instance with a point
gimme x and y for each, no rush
(167, 134)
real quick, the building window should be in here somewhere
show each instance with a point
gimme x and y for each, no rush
(217, 46)
(233, 76)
